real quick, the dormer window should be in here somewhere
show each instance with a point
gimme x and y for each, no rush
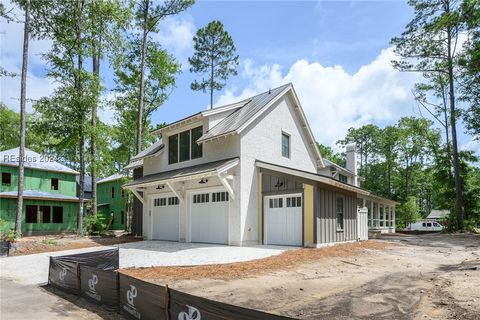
(342, 178)
(183, 146)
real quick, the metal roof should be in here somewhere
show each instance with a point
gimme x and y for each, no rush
(113, 177)
(438, 214)
(34, 194)
(333, 164)
(203, 168)
(33, 160)
(244, 113)
(149, 151)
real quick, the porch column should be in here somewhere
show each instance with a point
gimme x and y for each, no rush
(384, 216)
(377, 218)
(393, 219)
(372, 214)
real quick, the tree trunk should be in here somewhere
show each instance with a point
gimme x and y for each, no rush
(211, 85)
(456, 166)
(93, 142)
(80, 106)
(142, 77)
(23, 91)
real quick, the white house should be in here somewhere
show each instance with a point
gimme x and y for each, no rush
(248, 173)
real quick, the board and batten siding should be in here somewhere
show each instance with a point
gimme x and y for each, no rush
(327, 217)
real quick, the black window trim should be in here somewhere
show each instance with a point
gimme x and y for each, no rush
(190, 150)
(343, 213)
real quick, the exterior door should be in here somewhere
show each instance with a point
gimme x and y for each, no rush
(283, 219)
(165, 214)
(209, 216)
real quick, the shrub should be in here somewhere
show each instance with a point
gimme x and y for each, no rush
(94, 225)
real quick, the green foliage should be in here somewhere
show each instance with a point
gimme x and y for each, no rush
(409, 212)
(327, 153)
(215, 57)
(94, 225)
(6, 235)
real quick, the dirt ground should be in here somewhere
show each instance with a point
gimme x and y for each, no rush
(59, 242)
(432, 276)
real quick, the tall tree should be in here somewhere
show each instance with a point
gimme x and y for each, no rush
(215, 56)
(429, 45)
(148, 16)
(23, 98)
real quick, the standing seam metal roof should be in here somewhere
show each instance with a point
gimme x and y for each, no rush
(244, 113)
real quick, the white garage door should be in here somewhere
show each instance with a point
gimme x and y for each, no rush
(209, 217)
(165, 218)
(283, 219)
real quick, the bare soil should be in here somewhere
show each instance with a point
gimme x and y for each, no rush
(59, 242)
(429, 276)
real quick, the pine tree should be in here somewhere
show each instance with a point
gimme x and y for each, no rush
(215, 56)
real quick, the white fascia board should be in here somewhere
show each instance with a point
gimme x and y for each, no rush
(312, 176)
(307, 128)
(179, 123)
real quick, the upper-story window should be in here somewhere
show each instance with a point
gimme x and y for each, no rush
(342, 178)
(6, 178)
(54, 183)
(285, 145)
(183, 146)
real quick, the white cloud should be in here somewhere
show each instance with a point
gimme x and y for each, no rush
(333, 99)
(472, 145)
(176, 35)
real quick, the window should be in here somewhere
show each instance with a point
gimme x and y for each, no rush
(54, 183)
(293, 202)
(201, 198)
(424, 224)
(173, 149)
(31, 214)
(122, 217)
(276, 203)
(340, 213)
(429, 224)
(342, 178)
(160, 202)
(57, 215)
(183, 147)
(172, 201)
(196, 148)
(46, 213)
(113, 192)
(6, 178)
(285, 145)
(219, 196)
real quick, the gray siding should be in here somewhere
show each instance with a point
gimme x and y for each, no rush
(288, 183)
(325, 210)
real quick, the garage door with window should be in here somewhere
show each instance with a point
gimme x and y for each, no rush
(165, 218)
(209, 217)
(283, 219)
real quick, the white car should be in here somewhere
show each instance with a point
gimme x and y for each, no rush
(425, 226)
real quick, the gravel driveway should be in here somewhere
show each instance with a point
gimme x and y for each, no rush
(33, 269)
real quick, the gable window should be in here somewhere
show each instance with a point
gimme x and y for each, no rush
(285, 145)
(57, 215)
(46, 213)
(6, 178)
(113, 192)
(342, 178)
(54, 183)
(197, 149)
(183, 146)
(340, 211)
(31, 214)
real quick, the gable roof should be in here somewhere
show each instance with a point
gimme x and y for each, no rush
(438, 214)
(33, 160)
(329, 163)
(113, 177)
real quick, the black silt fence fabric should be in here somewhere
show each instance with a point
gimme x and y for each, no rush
(100, 286)
(141, 300)
(63, 274)
(184, 306)
(103, 259)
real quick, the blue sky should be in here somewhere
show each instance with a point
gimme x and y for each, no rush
(336, 54)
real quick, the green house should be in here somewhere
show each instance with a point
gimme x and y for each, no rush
(50, 194)
(113, 200)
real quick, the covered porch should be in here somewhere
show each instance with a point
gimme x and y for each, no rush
(381, 213)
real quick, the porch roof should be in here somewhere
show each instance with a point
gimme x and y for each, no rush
(39, 195)
(182, 174)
